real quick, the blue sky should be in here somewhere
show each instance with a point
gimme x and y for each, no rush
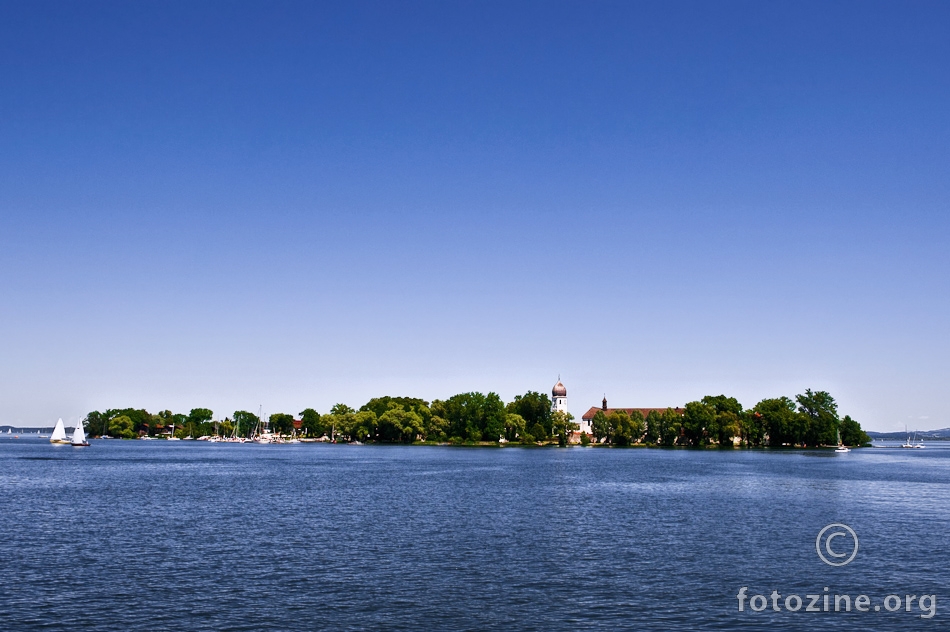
(296, 204)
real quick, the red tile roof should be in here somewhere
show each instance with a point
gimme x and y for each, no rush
(643, 411)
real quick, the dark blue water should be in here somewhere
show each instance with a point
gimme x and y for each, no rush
(191, 536)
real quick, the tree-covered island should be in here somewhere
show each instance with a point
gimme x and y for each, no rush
(810, 419)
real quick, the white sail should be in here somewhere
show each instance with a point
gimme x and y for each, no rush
(59, 433)
(79, 436)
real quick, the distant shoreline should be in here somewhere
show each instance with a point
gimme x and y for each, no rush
(496, 445)
(942, 435)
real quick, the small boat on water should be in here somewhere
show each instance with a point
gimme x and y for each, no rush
(841, 447)
(79, 437)
(266, 436)
(59, 433)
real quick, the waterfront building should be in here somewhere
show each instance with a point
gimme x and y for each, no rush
(585, 423)
(588, 417)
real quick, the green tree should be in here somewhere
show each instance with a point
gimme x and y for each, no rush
(399, 425)
(654, 422)
(637, 426)
(142, 421)
(339, 421)
(181, 421)
(200, 415)
(726, 424)
(514, 426)
(724, 428)
(380, 405)
(436, 428)
(246, 422)
(96, 423)
(281, 423)
(600, 426)
(751, 428)
(363, 425)
(618, 424)
(341, 409)
(563, 425)
(821, 414)
(723, 404)
(697, 418)
(121, 427)
(311, 424)
(536, 432)
(474, 416)
(851, 432)
(671, 427)
(534, 408)
(167, 417)
(779, 420)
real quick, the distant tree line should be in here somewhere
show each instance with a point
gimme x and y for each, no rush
(811, 419)
(467, 417)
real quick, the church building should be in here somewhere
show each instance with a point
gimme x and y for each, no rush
(588, 417)
(559, 403)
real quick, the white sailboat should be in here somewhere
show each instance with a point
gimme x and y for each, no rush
(59, 433)
(914, 443)
(841, 447)
(265, 435)
(79, 437)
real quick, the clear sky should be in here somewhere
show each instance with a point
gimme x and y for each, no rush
(231, 205)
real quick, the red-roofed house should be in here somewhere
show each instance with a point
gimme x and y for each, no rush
(588, 417)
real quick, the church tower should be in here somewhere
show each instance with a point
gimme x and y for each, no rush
(558, 397)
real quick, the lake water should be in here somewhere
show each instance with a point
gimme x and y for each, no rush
(130, 535)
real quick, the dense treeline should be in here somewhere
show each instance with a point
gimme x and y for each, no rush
(811, 419)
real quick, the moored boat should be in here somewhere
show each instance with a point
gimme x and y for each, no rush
(59, 433)
(841, 447)
(79, 437)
